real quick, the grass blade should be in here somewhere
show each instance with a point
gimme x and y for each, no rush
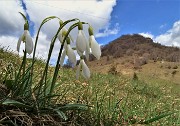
(148, 121)
(74, 107)
(15, 103)
(61, 114)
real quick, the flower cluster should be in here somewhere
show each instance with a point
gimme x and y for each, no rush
(26, 38)
(83, 46)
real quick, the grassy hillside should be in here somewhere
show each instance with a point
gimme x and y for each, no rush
(114, 99)
(139, 46)
(131, 54)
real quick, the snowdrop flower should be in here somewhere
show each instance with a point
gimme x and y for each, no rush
(95, 47)
(83, 68)
(87, 51)
(81, 41)
(26, 38)
(69, 52)
(62, 34)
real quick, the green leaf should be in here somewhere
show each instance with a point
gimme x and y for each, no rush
(157, 118)
(48, 19)
(61, 114)
(15, 103)
(9, 83)
(74, 107)
(8, 122)
(23, 16)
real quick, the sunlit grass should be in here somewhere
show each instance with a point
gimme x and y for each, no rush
(120, 100)
(113, 99)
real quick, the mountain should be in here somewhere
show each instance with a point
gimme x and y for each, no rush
(131, 54)
(129, 45)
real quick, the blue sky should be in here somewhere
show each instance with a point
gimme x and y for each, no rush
(157, 19)
(144, 16)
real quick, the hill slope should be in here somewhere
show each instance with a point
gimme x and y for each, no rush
(128, 45)
(135, 53)
(114, 100)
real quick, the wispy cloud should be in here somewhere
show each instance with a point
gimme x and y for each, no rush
(147, 35)
(163, 26)
(10, 21)
(171, 37)
(107, 31)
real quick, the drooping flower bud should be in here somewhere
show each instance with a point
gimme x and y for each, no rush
(81, 42)
(90, 30)
(26, 26)
(95, 47)
(83, 68)
(69, 52)
(26, 37)
(68, 40)
(60, 22)
(80, 26)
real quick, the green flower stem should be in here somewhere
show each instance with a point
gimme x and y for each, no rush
(59, 56)
(34, 52)
(24, 17)
(49, 56)
(43, 22)
(23, 64)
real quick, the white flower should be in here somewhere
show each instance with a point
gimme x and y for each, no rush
(70, 53)
(28, 42)
(95, 47)
(82, 67)
(62, 34)
(87, 52)
(81, 42)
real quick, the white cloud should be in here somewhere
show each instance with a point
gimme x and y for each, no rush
(171, 37)
(147, 35)
(163, 26)
(97, 13)
(108, 31)
(11, 22)
(8, 42)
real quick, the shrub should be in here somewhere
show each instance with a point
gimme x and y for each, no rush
(174, 72)
(135, 77)
(175, 67)
(113, 70)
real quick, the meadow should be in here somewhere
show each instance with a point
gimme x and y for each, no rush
(33, 93)
(103, 100)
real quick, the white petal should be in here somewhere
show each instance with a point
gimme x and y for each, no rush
(60, 37)
(78, 71)
(65, 45)
(71, 38)
(80, 54)
(62, 57)
(81, 41)
(87, 52)
(28, 43)
(85, 70)
(71, 55)
(95, 47)
(19, 43)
